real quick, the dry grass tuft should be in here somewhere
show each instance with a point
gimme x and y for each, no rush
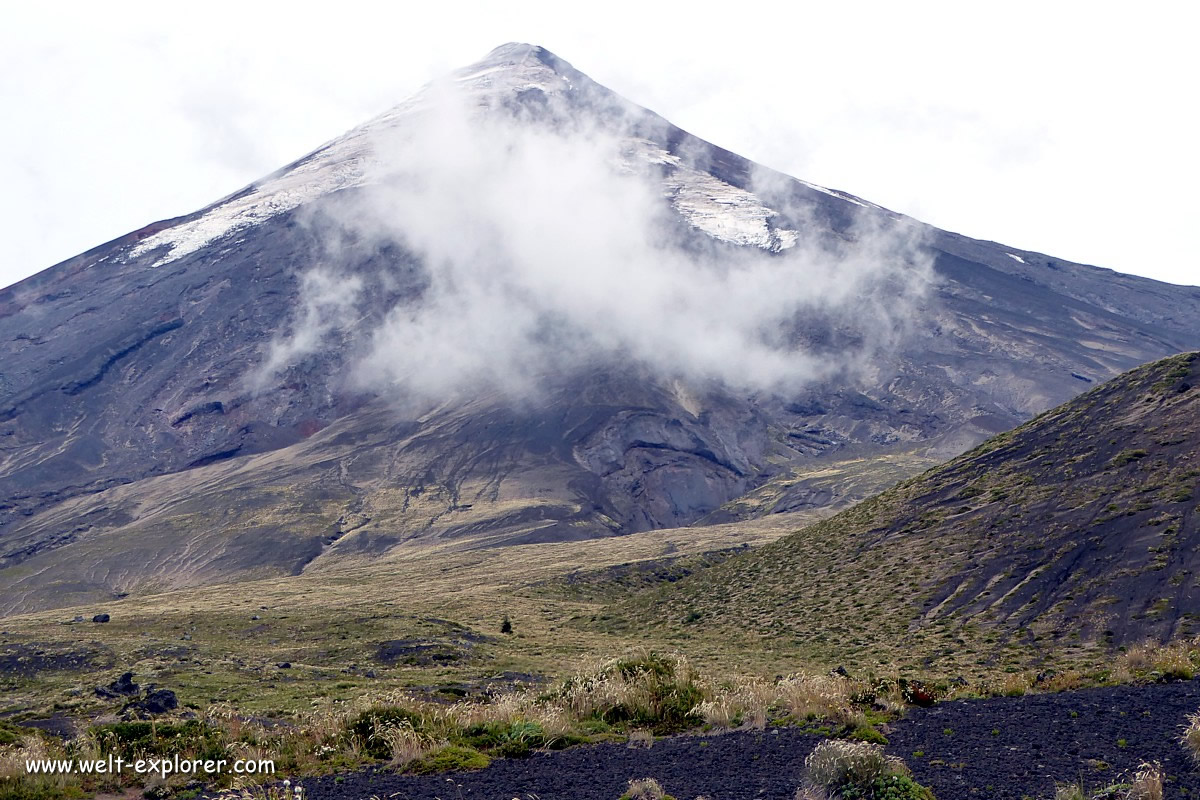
(641, 738)
(1147, 782)
(16, 782)
(811, 696)
(406, 743)
(738, 704)
(837, 763)
(1177, 660)
(1191, 736)
(644, 789)
(1070, 791)
(808, 792)
(1016, 684)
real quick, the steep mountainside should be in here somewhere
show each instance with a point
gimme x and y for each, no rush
(1082, 525)
(144, 445)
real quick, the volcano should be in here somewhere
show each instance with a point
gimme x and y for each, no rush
(516, 307)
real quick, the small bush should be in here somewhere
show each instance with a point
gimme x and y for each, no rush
(9, 734)
(369, 730)
(866, 733)
(17, 784)
(641, 738)
(450, 758)
(888, 787)
(1126, 456)
(193, 739)
(404, 743)
(514, 740)
(1015, 685)
(39, 787)
(651, 690)
(858, 771)
(1151, 661)
(835, 764)
(646, 789)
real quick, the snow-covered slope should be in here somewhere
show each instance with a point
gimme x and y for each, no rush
(723, 211)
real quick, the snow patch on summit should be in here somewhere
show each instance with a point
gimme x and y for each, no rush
(707, 203)
(307, 181)
(713, 206)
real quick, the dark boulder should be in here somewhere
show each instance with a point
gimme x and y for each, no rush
(121, 687)
(101, 618)
(160, 701)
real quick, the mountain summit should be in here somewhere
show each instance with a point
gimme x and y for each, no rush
(515, 307)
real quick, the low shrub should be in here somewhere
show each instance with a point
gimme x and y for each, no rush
(650, 690)
(858, 771)
(9, 734)
(191, 739)
(866, 733)
(645, 789)
(17, 784)
(39, 787)
(513, 740)
(888, 787)
(450, 758)
(1150, 661)
(369, 729)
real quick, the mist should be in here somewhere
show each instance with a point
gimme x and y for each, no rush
(555, 242)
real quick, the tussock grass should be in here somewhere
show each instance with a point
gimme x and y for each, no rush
(641, 738)
(1191, 736)
(1144, 783)
(17, 784)
(857, 771)
(645, 789)
(1149, 660)
(1147, 783)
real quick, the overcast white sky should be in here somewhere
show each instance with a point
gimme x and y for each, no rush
(1068, 128)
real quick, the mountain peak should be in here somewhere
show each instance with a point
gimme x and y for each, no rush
(521, 53)
(516, 51)
(517, 65)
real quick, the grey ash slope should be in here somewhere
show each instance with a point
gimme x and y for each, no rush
(134, 457)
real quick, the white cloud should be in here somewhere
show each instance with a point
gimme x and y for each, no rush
(552, 248)
(1059, 128)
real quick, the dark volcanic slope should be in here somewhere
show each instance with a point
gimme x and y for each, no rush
(1004, 748)
(138, 452)
(1009, 748)
(1081, 525)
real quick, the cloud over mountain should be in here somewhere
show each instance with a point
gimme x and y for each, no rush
(555, 242)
